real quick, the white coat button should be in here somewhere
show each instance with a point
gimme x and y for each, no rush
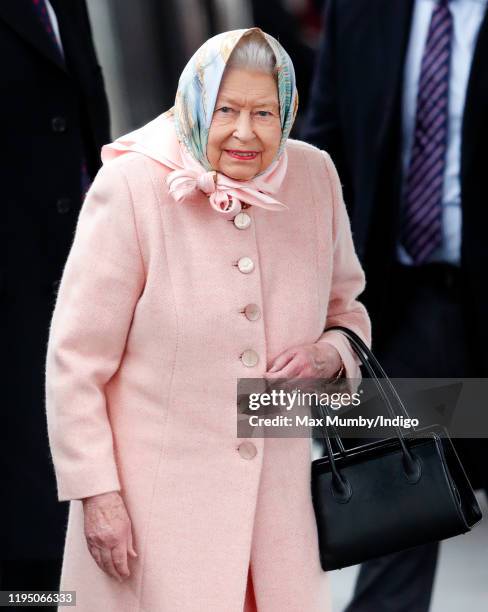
(252, 312)
(247, 450)
(249, 358)
(245, 265)
(242, 221)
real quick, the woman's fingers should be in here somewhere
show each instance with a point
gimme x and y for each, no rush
(130, 544)
(108, 564)
(114, 562)
(95, 553)
(281, 361)
(289, 370)
(119, 559)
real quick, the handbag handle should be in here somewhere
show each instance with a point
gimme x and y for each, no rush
(411, 465)
(367, 358)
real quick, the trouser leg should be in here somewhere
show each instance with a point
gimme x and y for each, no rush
(423, 337)
(401, 582)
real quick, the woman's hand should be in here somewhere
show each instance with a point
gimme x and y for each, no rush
(318, 360)
(108, 533)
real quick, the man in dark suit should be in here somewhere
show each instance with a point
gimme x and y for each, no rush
(399, 101)
(54, 120)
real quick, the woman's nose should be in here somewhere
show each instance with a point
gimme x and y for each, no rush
(243, 128)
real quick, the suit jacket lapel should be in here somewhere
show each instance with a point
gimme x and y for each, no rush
(476, 100)
(22, 18)
(393, 21)
(394, 25)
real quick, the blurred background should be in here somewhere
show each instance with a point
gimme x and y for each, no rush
(143, 51)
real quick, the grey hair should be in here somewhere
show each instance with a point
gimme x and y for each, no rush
(253, 52)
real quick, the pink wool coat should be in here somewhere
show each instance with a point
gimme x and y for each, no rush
(143, 358)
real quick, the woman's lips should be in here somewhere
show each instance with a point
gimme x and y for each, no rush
(242, 155)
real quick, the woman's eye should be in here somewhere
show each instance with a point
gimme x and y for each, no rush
(225, 109)
(264, 115)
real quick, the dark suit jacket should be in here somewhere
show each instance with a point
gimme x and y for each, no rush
(355, 114)
(50, 115)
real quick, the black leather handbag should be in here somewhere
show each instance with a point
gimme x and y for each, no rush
(389, 495)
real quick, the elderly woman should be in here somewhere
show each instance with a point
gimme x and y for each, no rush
(210, 247)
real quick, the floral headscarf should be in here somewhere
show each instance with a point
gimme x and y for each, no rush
(199, 85)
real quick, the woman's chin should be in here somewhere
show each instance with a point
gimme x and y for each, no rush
(242, 176)
(239, 173)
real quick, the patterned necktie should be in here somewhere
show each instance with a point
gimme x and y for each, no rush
(41, 11)
(422, 217)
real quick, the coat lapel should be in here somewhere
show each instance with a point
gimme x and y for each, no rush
(22, 18)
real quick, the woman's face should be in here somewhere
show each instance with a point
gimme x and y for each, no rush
(245, 132)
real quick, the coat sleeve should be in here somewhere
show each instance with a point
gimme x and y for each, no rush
(348, 282)
(102, 280)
